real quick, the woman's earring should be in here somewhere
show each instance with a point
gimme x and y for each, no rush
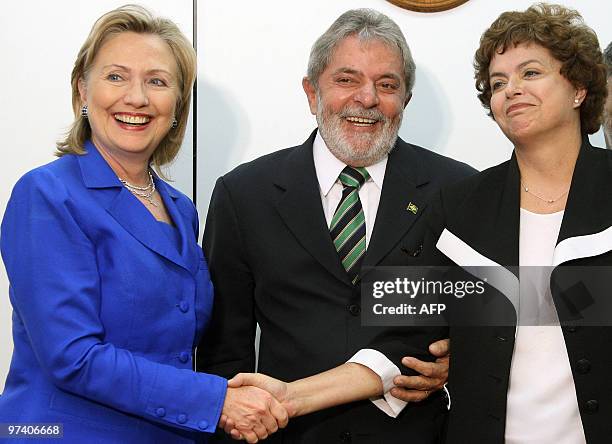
(174, 123)
(84, 112)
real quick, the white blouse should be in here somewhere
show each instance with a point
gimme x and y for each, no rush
(542, 406)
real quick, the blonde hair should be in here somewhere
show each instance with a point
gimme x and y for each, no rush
(133, 18)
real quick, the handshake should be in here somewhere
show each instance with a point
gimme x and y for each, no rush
(256, 406)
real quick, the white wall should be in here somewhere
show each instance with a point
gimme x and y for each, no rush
(40, 41)
(252, 56)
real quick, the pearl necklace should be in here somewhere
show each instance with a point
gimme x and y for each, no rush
(549, 201)
(144, 192)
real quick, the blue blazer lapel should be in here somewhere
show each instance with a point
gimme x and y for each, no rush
(132, 215)
(137, 221)
(180, 211)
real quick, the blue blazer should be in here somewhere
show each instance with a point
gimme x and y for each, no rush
(107, 309)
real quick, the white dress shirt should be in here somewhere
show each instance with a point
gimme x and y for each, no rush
(328, 168)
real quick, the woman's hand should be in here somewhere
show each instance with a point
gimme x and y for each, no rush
(251, 413)
(275, 388)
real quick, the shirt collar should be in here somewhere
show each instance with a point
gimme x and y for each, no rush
(96, 172)
(328, 167)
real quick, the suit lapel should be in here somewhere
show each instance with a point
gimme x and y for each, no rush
(504, 229)
(300, 208)
(180, 215)
(401, 202)
(130, 213)
(137, 221)
(587, 217)
(585, 230)
(487, 221)
(482, 235)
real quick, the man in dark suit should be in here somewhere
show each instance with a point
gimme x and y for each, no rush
(288, 237)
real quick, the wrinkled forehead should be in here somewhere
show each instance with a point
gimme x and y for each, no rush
(366, 55)
(370, 43)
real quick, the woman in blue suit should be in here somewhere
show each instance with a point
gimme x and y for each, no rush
(109, 288)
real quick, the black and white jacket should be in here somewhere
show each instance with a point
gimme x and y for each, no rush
(477, 223)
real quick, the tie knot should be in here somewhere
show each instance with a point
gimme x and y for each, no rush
(353, 177)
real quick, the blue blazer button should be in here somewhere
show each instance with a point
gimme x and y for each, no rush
(160, 411)
(181, 419)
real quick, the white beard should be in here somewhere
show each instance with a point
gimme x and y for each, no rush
(378, 145)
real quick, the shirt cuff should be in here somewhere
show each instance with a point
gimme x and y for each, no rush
(448, 398)
(387, 371)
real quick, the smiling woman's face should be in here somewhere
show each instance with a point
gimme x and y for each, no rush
(530, 98)
(131, 91)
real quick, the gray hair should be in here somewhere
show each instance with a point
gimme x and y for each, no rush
(608, 58)
(366, 24)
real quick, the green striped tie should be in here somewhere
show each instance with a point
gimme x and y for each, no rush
(347, 227)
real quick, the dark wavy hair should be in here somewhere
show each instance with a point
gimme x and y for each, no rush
(563, 32)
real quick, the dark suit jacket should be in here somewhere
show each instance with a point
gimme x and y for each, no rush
(483, 212)
(272, 262)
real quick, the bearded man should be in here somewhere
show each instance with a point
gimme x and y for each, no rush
(287, 236)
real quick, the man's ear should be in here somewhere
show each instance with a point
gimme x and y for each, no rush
(311, 95)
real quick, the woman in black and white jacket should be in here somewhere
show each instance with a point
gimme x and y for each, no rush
(541, 75)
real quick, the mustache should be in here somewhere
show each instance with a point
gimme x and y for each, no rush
(355, 111)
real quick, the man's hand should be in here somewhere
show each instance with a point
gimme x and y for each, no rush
(433, 375)
(251, 413)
